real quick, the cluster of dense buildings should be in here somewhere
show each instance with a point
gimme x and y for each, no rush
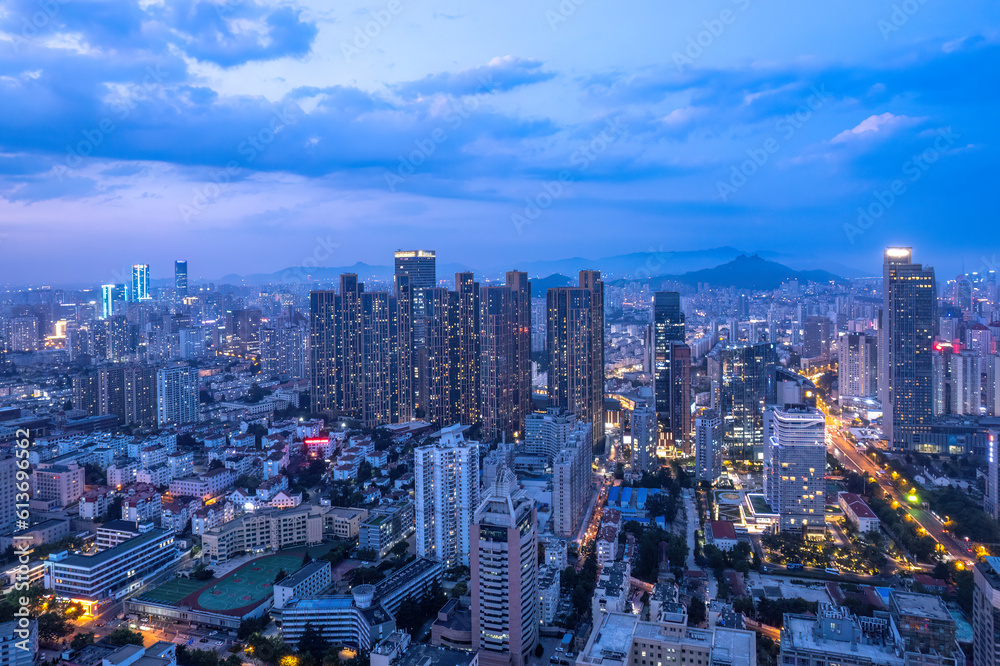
(175, 397)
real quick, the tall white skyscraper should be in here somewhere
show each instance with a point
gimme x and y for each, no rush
(446, 494)
(504, 568)
(176, 395)
(644, 435)
(708, 445)
(794, 468)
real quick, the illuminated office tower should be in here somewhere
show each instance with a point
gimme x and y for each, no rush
(857, 368)
(504, 572)
(181, 278)
(671, 366)
(140, 283)
(446, 495)
(708, 445)
(739, 376)
(107, 300)
(957, 385)
(176, 396)
(575, 339)
(505, 357)
(906, 333)
(795, 468)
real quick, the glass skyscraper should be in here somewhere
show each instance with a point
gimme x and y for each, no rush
(139, 290)
(906, 336)
(181, 278)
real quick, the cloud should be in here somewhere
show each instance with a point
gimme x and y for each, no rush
(501, 74)
(224, 32)
(881, 125)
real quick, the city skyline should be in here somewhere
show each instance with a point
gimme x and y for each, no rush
(279, 125)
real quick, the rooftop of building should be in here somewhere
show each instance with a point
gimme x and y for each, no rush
(44, 525)
(723, 529)
(612, 639)
(798, 632)
(989, 569)
(419, 654)
(858, 505)
(87, 561)
(302, 574)
(921, 605)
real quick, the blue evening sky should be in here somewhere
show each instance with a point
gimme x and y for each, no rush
(251, 135)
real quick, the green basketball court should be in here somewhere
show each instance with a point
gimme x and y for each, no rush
(239, 590)
(248, 585)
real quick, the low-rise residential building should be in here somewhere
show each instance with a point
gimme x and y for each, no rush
(386, 526)
(612, 588)
(157, 475)
(63, 483)
(95, 503)
(141, 506)
(549, 579)
(606, 544)
(268, 529)
(180, 464)
(343, 523)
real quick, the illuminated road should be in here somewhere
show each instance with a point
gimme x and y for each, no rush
(854, 460)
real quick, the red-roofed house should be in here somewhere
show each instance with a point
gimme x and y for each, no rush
(721, 534)
(858, 512)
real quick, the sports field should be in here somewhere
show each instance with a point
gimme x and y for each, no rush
(247, 585)
(239, 590)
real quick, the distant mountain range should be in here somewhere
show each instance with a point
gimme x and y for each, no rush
(637, 265)
(747, 272)
(657, 269)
